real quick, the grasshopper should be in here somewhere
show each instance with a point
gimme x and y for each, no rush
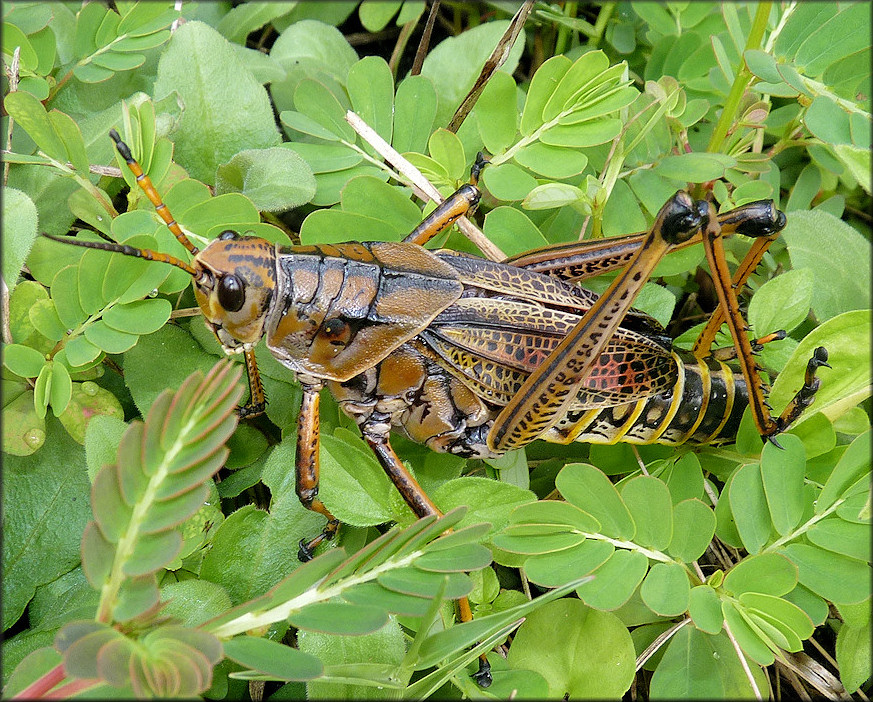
(475, 357)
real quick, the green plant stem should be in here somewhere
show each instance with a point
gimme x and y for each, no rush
(127, 544)
(400, 46)
(86, 184)
(741, 80)
(254, 620)
(563, 38)
(602, 20)
(803, 528)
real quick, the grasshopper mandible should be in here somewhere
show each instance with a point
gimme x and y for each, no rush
(475, 357)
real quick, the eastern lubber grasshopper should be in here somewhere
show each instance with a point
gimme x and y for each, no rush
(474, 357)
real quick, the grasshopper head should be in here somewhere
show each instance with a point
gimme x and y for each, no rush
(234, 280)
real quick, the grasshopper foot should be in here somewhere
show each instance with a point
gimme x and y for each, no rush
(251, 410)
(483, 675)
(306, 549)
(804, 397)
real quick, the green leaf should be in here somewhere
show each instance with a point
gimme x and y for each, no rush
(842, 34)
(80, 351)
(622, 214)
(614, 581)
(666, 589)
(375, 15)
(341, 619)
(371, 90)
(372, 197)
(308, 125)
(537, 539)
(852, 466)
(24, 429)
(252, 551)
(582, 135)
(542, 86)
(551, 195)
(809, 602)
(310, 49)
(853, 655)
(31, 116)
(770, 573)
(108, 339)
(702, 666)
(411, 581)
(14, 38)
(829, 122)
(596, 657)
(23, 360)
(226, 109)
(447, 150)
(28, 296)
(763, 65)
(20, 222)
(512, 231)
(325, 158)
(842, 278)
(454, 64)
(274, 179)
(488, 501)
(272, 658)
(783, 614)
(551, 161)
(752, 639)
(693, 529)
(657, 17)
(119, 61)
(582, 73)
(648, 501)
(463, 557)
(590, 490)
(44, 513)
(782, 303)
(371, 658)
(244, 19)
(138, 317)
(62, 388)
(817, 569)
(42, 390)
(843, 537)
(149, 369)
(101, 441)
(557, 513)
(782, 473)
(354, 486)
(705, 609)
(694, 167)
(684, 479)
(394, 602)
(415, 107)
(497, 114)
(558, 567)
(749, 507)
(333, 227)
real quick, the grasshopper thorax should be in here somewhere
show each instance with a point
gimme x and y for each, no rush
(234, 282)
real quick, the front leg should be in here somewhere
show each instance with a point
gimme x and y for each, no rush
(307, 467)
(257, 397)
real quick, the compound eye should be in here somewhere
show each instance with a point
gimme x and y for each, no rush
(231, 293)
(228, 234)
